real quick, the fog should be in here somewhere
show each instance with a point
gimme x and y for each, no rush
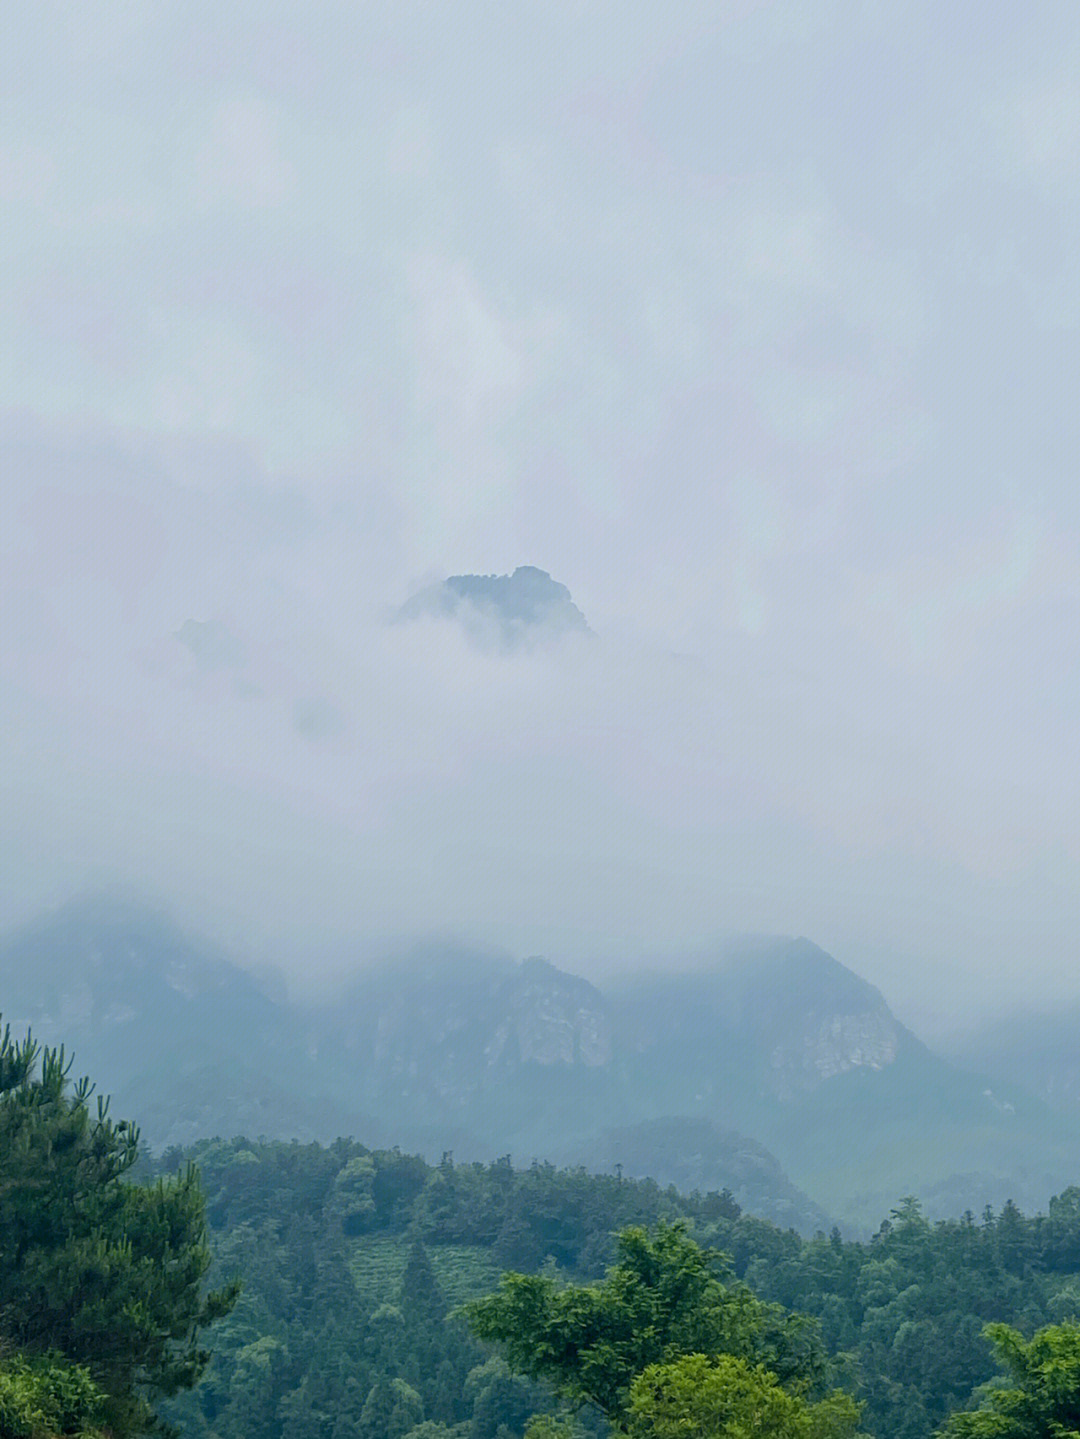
(754, 324)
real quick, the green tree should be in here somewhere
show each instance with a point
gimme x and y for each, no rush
(549, 1426)
(696, 1397)
(102, 1271)
(1043, 1399)
(663, 1299)
(43, 1398)
(351, 1201)
(423, 1305)
(391, 1409)
(499, 1399)
(429, 1429)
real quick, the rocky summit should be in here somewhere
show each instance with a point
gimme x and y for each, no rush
(502, 612)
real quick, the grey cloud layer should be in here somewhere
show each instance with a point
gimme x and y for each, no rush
(755, 324)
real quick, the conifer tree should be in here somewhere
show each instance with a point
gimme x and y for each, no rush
(94, 1268)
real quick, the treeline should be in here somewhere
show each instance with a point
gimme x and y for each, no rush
(352, 1259)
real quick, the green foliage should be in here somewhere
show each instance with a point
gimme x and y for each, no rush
(899, 1317)
(913, 1303)
(1041, 1395)
(104, 1272)
(352, 1201)
(725, 1395)
(377, 1263)
(663, 1299)
(500, 1400)
(549, 1426)
(391, 1409)
(44, 1398)
(347, 1303)
(430, 1430)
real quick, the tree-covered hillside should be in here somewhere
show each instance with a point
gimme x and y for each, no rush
(353, 1259)
(375, 1285)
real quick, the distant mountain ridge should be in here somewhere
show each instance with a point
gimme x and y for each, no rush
(1038, 1051)
(668, 1075)
(186, 1042)
(795, 1016)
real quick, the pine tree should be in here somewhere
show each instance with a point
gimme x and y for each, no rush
(104, 1272)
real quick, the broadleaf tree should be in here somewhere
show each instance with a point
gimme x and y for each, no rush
(665, 1299)
(1040, 1396)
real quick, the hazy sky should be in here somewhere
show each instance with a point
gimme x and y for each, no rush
(755, 324)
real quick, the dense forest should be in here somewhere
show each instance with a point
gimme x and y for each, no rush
(352, 1259)
(269, 1290)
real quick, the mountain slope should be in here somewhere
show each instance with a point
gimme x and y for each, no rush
(184, 1041)
(1038, 1052)
(781, 1041)
(665, 1074)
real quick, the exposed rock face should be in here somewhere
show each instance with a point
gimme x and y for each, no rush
(453, 1034)
(823, 1020)
(551, 1018)
(782, 1022)
(836, 1044)
(780, 1025)
(445, 1031)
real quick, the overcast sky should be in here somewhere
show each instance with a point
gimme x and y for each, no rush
(755, 324)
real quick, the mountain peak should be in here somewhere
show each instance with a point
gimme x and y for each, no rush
(504, 612)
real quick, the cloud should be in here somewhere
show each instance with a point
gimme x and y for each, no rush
(301, 317)
(762, 27)
(946, 602)
(411, 145)
(594, 802)
(464, 358)
(466, 374)
(1039, 131)
(212, 644)
(27, 173)
(318, 719)
(241, 162)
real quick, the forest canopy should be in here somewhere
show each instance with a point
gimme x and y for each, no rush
(663, 1347)
(357, 1262)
